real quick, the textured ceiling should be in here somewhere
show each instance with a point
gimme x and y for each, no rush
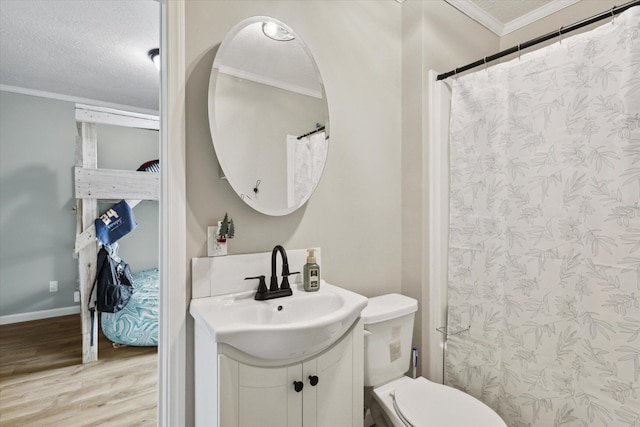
(506, 11)
(82, 49)
(505, 16)
(90, 50)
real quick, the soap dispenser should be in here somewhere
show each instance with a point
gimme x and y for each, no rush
(311, 272)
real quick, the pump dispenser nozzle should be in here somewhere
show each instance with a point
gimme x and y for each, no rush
(311, 257)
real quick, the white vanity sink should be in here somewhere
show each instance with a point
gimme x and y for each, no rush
(284, 328)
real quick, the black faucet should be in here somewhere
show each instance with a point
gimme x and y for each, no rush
(275, 291)
(273, 286)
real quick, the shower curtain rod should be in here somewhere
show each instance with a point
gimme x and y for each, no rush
(563, 30)
(320, 129)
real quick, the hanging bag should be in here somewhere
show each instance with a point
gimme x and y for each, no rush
(115, 286)
(115, 223)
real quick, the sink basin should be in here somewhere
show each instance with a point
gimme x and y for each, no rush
(297, 326)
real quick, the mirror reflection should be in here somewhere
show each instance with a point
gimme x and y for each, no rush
(268, 116)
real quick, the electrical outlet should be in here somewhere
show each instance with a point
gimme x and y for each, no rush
(215, 247)
(53, 286)
(76, 296)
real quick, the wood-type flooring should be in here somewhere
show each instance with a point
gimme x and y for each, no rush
(44, 383)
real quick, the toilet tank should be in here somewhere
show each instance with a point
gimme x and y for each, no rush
(388, 325)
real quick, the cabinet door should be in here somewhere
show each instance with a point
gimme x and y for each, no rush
(330, 402)
(227, 393)
(252, 396)
(256, 396)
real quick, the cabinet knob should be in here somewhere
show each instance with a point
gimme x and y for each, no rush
(313, 379)
(297, 386)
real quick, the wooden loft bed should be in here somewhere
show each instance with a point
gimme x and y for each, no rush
(93, 184)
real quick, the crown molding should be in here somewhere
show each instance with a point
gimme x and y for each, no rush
(268, 81)
(539, 13)
(74, 99)
(479, 15)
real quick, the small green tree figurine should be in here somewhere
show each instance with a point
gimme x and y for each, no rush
(227, 229)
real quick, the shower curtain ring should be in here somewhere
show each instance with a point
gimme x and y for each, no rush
(560, 34)
(519, 53)
(613, 15)
(485, 63)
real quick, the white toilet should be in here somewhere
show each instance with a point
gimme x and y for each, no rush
(400, 401)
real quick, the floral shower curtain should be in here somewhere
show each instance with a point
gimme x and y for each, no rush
(544, 258)
(305, 160)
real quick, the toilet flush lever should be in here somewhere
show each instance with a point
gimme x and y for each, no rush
(414, 362)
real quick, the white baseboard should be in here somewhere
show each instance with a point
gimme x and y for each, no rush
(36, 315)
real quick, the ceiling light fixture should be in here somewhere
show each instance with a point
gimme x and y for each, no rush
(154, 55)
(276, 32)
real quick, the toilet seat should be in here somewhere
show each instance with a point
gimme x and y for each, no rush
(420, 402)
(405, 421)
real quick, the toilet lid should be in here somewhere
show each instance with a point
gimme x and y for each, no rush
(421, 402)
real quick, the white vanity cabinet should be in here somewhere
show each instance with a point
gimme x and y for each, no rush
(250, 395)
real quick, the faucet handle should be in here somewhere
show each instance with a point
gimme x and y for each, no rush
(262, 285)
(285, 280)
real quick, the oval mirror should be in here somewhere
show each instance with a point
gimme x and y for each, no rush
(268, 116)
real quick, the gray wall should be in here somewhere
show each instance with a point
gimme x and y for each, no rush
(369, 214)
(37, 225)
(354, 215)
(435, 36)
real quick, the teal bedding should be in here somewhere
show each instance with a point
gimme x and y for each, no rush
(137, 323)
